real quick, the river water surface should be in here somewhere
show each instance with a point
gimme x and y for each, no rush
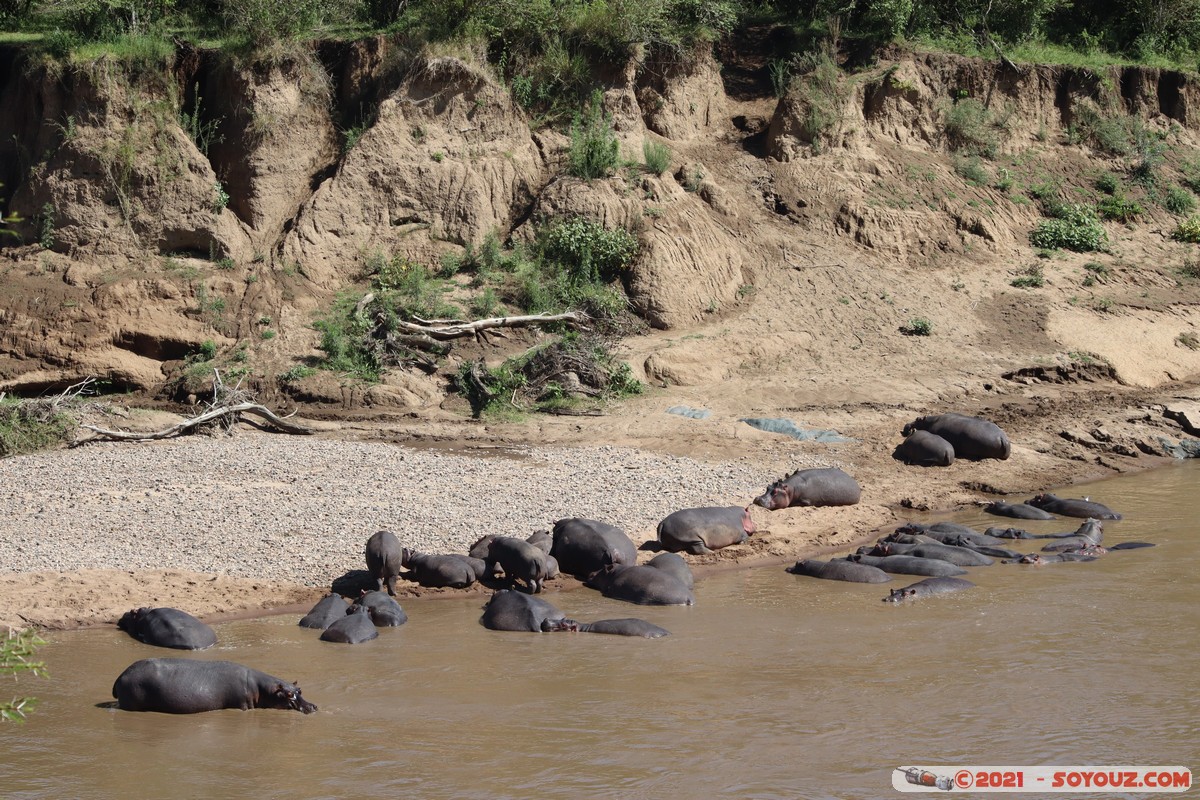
(773, 685)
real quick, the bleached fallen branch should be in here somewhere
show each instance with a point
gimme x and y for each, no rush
(459, 330)
(229, 413)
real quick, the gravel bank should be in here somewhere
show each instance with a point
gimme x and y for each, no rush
(299, 509)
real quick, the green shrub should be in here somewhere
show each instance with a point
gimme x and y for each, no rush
(1178, 200)
(780, 72)
(594, 151)
(16, 651)
(297, 373)
(971, 127)
(657, 156)
(917, 326)
(1188, 230)
(1113, 136)
(27, 426)
(1108, 183)
(1059, 234)
(1191, 175)
(972, 171)
(1031, 278)
(1119, 209)
(591, 251)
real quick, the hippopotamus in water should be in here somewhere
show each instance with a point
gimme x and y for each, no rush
(703, 530)
(836, 570)
(673, 564)
(189, 686)
(972, 437)
(353, 628)
(167, 627)
(644, 585)
(960, 556)
(1069, 507)
(910, 565)
(1037, 559)
(948, 533)
(328, 610)
(384, 557)
(924, 449)
(455, 571)
(1017, 510)
(1131, 545)
(618, 627)
(927, 588)
(520, 561)
(509, 610)
(1090, 533)
(825, 486)
(384, 610)
(583, 546)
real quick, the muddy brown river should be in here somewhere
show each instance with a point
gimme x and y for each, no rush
(772, 686)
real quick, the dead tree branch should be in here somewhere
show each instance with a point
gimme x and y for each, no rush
(459, 330)
(228, 414)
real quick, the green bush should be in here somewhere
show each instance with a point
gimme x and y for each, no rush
(1178, 200)
(1188, 230)
(971, 127)
(588, 249)
(1031, 278)
(972, 170)
(594, 151)
(27, 426)
(1191, 175)
(657, 156)
(1075, 228)
(1119, 209)
(917, 326)
(1108, 183)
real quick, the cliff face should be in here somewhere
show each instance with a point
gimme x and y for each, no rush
(164, 207)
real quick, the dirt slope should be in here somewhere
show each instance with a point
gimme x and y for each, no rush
(778, 268)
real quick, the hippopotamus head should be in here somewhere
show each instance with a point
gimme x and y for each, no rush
(557, 625)
(896, 595)
(1031, 558)
(777, 496)
(287, 696)
(747, 523)
(129, 619)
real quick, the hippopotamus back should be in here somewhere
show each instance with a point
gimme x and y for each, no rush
(972, 437)
(703, 530)
(823, 486)
(167, 627)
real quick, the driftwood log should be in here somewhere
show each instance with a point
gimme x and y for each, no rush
(227, 414)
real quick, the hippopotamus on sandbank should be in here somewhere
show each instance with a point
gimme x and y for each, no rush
(924, 449)
(384, 556)
(454, 570)
(823, 486)
(972, 437)
(703, 530)
(583, 546)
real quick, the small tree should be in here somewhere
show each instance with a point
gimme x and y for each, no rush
(595, 151)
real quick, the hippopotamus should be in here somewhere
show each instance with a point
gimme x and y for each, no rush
(927, 588)
(328, 610)
(520, 561)
(949, 533)
(456, 571)
(509, 610)
(384, 610)
(620, 627)
(924, 449)
(644, 585)
(824, 486)
(1069, 507)
(960, 556)
(583, 546)
(910, 565)
(384, 559)
(673, 564)
(1090, 533)
(1013, 533)
(1131, 545)
(1038, 559)
(1017, 510)
(189, 686)
(167, 627)
(839, 571)
(353, 628)
(542, 540)
(703, 530)
(480, 548)
(972, 437)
